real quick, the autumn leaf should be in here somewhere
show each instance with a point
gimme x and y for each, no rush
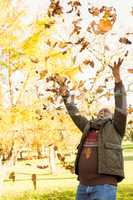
(104, 25)
(54, 8)
(131, 11)
(43, 74)
(130, 109)
(89, 62)
(51, 99)
(71, 72)
(63, 44)
(130, 71)
(109, 95)
(107, 47)
(94, 11)
(76, 30)
(130, 122)
(74, 4)
(34, 60)
(84, 45)
(99, 89)
(106, 20)
(80, 40)
(125, 40)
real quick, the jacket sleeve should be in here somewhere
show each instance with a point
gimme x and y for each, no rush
(120, 113)
(80, 121)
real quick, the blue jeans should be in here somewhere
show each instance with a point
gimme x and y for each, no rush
(97, 192)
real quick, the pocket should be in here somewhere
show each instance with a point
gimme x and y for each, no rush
(113, 155)
(109, 145)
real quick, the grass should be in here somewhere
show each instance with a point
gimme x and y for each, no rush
(125, 192)
(61, 186)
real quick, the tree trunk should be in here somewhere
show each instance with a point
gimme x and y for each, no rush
(52, 159)
(39, 152)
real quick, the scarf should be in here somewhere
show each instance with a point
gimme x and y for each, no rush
(96, 124)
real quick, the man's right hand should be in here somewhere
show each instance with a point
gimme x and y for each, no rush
(116, 69)
(62, 82)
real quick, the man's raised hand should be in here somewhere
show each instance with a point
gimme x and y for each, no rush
(116, 69)
(62, 88)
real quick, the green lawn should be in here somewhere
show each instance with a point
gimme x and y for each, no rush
(58, 187)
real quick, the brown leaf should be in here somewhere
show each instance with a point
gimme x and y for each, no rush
(55, 8)
(76, 29)
(34, 60)
(63, 44)
(106, 48)
(84, 45)
(125, 40)
(131, 11)
(74, 4)
(130, 109)
(94, 11)
(80, 40)
(130, 122)
(130, 70)
(99, 89)
(89, 62)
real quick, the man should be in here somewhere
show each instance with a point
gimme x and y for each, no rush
(99, 161)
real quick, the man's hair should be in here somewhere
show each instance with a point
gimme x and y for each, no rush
(105, 110)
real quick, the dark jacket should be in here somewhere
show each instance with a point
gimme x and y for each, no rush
(110, 157)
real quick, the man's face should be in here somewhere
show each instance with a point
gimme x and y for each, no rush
(104, 114)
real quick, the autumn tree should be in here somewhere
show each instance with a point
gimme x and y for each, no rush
(69, 43)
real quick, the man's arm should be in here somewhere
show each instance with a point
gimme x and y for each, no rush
(120, 114)
(79, 120)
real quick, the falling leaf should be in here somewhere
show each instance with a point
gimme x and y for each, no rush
(64, 44)
(76, 30)
(70, 11)
(109, 95)
(126, 54)
(74, 4)
(94, 11)
(34, 60)
(104, 25)
(89, 62)
(43, 74)
(80, 40)
(107, 48)
(51, 99)
(44, 107)
(130, 109)
(130, 70)
(54, 8)
(84, 45)
(81, 84)
(71, 72)
(125, 40)
(106, 20)
(99, 89)
(130, 122)
(52, 118)
(131, 11)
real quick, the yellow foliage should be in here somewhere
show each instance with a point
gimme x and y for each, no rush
(30, 45)
(58, 62)
(71, 72)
